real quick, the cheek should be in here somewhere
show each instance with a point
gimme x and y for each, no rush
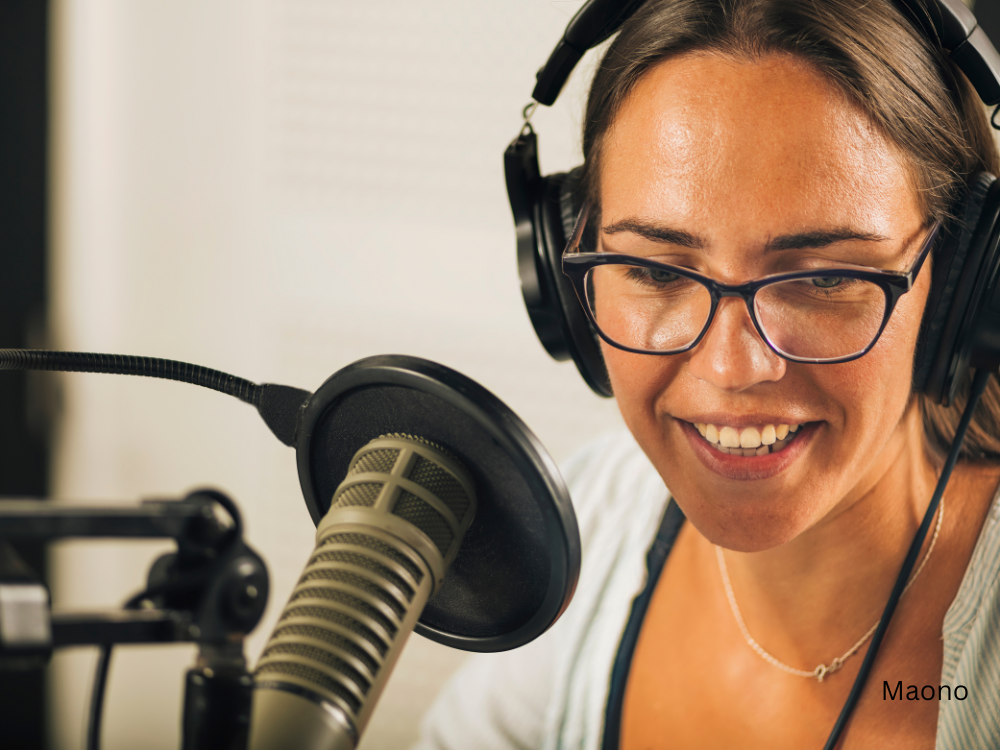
(873, 391)
(637, 381)
(895, 349)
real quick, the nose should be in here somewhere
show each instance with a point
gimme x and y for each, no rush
(732, 356)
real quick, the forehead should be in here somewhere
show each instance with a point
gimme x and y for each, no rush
(712, 141)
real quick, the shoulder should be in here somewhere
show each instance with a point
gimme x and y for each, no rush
(619, 499)
(972, 645)
(613, 485)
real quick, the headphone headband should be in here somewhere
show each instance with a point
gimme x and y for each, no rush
(950, 22)
(592, 24)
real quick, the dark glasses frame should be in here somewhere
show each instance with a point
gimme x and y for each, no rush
(894, 284)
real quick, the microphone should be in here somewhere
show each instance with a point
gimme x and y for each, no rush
(394, 526)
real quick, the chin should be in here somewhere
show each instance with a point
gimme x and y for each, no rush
(747, 525)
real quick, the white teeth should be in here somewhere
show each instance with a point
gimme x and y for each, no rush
(750, 438)
(750, 441)
(729, 437)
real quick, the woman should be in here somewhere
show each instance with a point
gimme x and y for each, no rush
(738, 139)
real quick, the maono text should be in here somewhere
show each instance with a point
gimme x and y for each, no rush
(913, 693)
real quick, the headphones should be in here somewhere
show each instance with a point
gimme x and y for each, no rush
(961, 326)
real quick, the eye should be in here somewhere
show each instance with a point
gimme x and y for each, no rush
(827, 282)
(651, 277)
(661, 277)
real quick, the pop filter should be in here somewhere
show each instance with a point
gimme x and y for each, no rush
(518, 565)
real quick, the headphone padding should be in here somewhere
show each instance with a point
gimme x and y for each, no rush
(558, 211)
(936, 346)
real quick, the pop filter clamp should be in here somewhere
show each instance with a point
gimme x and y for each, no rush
(212, 591)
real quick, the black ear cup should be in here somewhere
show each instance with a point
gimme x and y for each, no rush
(544, 212)
(559, 209)
(960, 327)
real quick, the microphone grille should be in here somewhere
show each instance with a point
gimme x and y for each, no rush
(426, 464)
(411, 508)
(358, 494)
(380, 461)
(366, 584)
(439, 482)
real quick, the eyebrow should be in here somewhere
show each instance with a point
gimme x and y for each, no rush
(798, 241)
(655, 232)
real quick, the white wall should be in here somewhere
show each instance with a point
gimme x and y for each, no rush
(276, 188)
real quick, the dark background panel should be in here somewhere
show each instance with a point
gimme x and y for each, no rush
(23, 188)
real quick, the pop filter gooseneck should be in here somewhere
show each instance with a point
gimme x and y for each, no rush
(277, 404)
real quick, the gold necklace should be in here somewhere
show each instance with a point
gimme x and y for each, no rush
(822, 670)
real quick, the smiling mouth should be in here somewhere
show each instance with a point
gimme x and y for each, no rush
(748, 441)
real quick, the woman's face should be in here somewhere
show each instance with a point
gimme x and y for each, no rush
(757, 168)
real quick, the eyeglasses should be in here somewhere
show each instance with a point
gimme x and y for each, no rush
(821, 316)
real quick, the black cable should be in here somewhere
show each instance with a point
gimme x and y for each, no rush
(125, 364)
(97, 692)
(97, 698)
(975, 391)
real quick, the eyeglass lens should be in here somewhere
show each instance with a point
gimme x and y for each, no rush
(653, 310)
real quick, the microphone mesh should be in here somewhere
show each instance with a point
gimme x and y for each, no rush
(425, 518)
(360, 494)
(364, 586)
(331, 617)
(441, 484)
(379, 461)
(363, 561)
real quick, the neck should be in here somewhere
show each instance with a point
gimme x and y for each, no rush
(822, 590)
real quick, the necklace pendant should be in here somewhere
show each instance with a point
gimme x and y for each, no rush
(820, 672)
